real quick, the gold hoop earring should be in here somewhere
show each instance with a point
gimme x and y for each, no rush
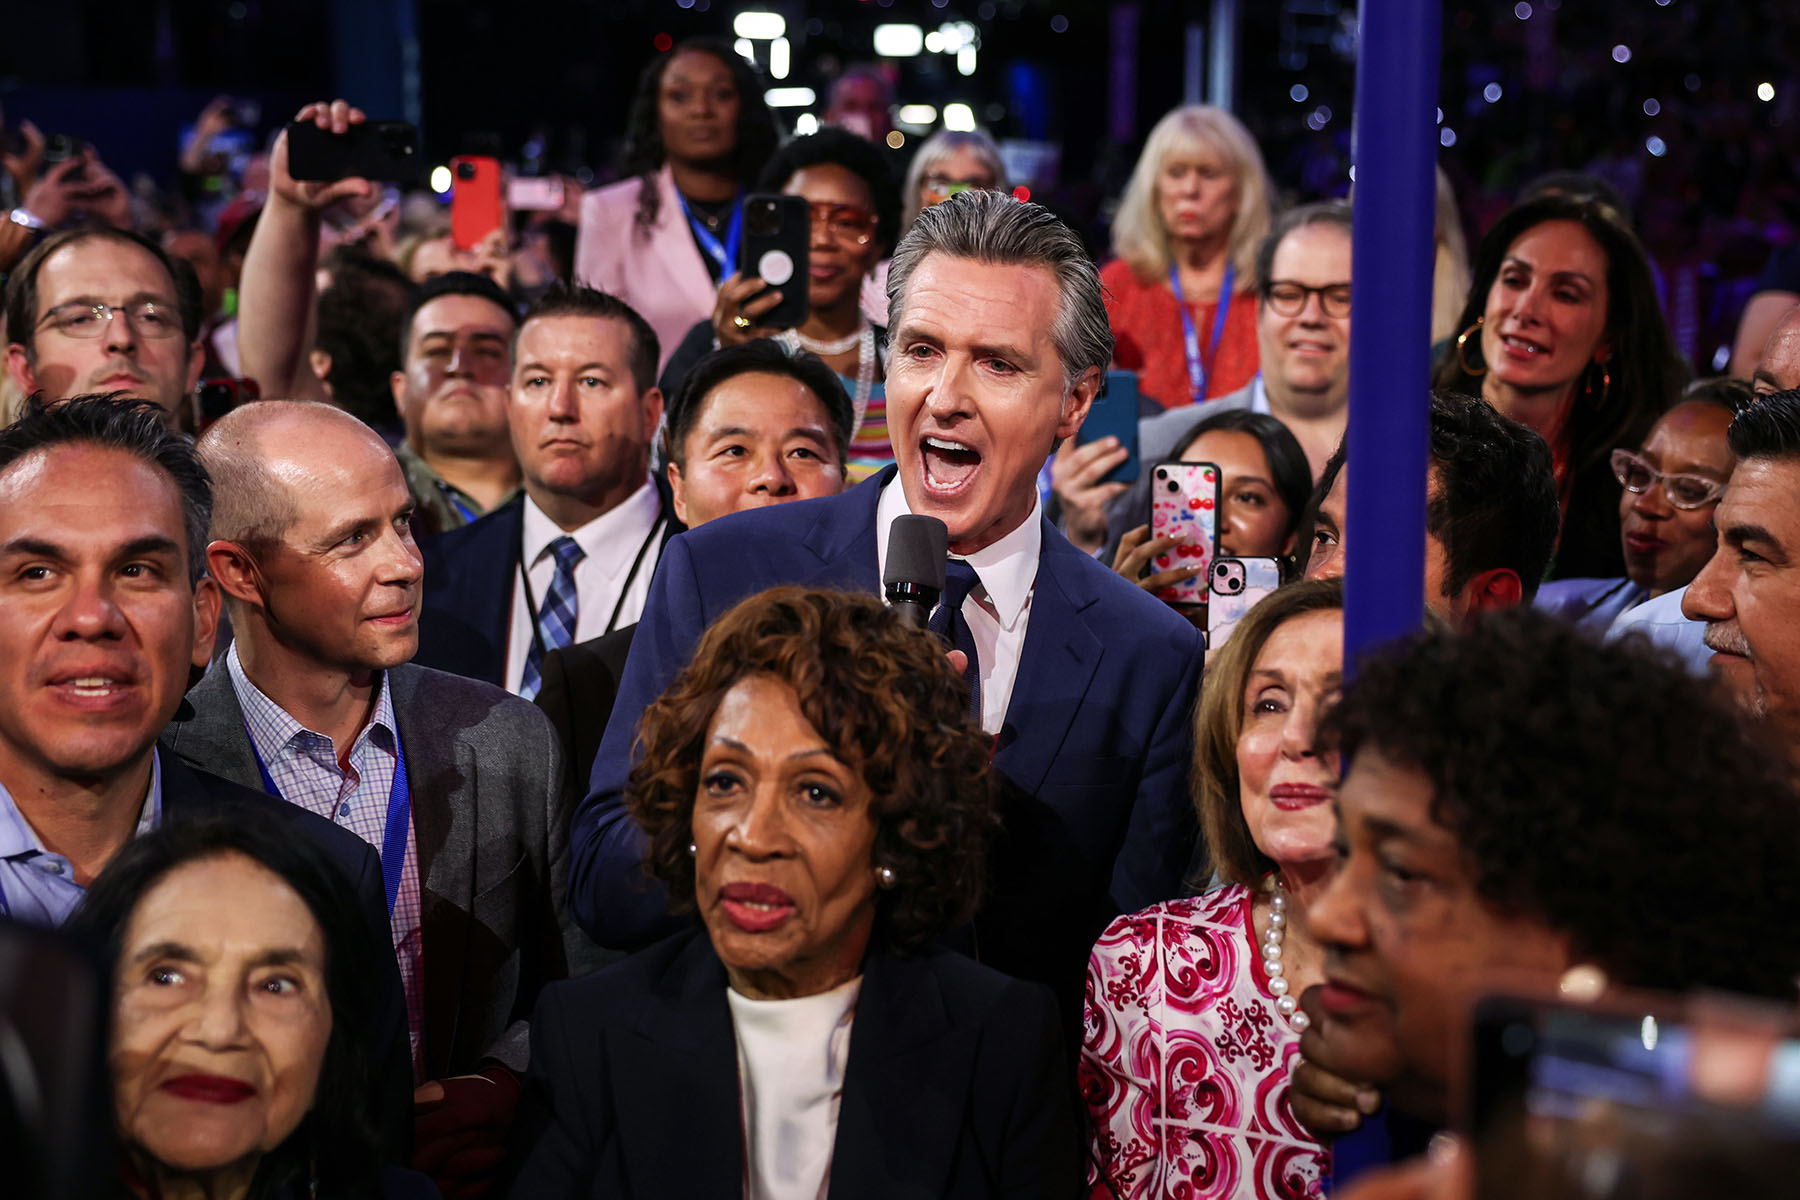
(1462, 348)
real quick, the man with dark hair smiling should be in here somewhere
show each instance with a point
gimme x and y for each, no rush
(105, 609)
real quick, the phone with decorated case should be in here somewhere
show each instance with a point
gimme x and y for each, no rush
(1184, 503)
(1236, 585)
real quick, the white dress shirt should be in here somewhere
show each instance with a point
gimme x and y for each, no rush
(791, 1059)
(612, 542)
(998, 610)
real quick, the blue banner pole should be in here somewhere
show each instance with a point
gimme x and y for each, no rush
(1395, 148)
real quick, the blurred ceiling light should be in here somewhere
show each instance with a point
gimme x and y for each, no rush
(789, 97)
(759, 26)
(959, 117)
(899, 41)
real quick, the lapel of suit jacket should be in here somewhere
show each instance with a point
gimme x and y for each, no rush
(845, 539)
(904, 1086)
(215, 739)
(1055, 667)
(496, 588)
(673, 241)
(441, 775)
(680, 1125)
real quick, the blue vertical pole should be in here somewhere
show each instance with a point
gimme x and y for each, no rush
(1390, 334)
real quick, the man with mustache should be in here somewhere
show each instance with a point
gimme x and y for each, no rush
(1664, 620)
(572, 559)
(459, 786)
(999, 341)
(105, 310)
(1749, 592)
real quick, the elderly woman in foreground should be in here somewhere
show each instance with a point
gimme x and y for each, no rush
(243, 1016)
(815, 792)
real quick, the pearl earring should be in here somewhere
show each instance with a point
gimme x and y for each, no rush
(885, 876)
(692, 849)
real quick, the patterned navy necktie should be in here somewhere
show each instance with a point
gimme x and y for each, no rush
(556, 617)
(949, 623)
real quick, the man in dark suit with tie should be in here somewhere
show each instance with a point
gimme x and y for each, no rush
(104, 612)
(459, 784)
(1086, 681)
(752, 426)
(571, 560)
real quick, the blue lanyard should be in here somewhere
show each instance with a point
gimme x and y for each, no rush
(725, 254)
(1196, 366)
(468, 512)
(399, 817)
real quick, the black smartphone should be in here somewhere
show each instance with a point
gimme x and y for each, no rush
(60, 147)
(387, 151)
(213, 398)
(777, 232)
(1628, 1098)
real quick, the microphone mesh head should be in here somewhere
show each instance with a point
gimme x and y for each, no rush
(916, 550)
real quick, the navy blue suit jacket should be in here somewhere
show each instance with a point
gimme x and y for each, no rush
(1097, 735)
(465, 614)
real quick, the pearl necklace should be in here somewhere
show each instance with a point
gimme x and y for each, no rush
(864, 340)
(1271, 958)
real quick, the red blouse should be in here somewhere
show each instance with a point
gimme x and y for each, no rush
(1147, 327)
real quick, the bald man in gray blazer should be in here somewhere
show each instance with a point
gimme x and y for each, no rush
(457, 784)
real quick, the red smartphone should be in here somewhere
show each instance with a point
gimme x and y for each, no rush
(475, 199)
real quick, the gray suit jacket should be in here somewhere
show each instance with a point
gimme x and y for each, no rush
(491, 818)
(1157, 438)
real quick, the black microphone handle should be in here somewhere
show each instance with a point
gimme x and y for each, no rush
(913, 602)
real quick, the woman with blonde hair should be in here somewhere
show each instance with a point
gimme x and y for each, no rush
(1191, 1023)
(1182, 287)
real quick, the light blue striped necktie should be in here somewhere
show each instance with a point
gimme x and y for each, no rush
(556, 617)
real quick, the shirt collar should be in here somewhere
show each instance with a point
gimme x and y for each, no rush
(1259, 396)
(272, 729)
(1007, 568)
(19, 840)
(611, 540)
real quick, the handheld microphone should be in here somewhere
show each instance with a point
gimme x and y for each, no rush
(914, 577)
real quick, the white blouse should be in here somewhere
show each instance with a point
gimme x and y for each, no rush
(791, 1058)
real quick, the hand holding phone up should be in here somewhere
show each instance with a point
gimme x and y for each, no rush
(337, 117)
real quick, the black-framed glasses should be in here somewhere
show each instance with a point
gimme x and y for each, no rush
(1683, 490)
(149, 318)
(1288, 298)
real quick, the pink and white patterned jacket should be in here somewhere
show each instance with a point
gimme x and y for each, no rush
(1185, 1061)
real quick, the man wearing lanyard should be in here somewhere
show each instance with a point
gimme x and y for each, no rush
(458, 785)
(104, 612)
(572, 559)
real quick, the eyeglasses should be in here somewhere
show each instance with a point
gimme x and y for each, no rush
(846, 222)
(148, 318)
(1684, 491)
(1288, 299)
(944, 187)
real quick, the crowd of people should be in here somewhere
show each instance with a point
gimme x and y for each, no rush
(480, 758)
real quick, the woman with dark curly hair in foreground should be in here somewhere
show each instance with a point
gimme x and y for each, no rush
(815, 791)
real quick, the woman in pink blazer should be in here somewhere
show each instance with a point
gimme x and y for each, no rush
(662, 240)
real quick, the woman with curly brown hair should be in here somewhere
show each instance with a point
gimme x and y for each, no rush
(815, 792)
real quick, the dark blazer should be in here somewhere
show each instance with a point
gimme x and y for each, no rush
(190, 794)
(490, 815)
(956, 1084)
(465, 613)
(1096, 738)
(580, 684)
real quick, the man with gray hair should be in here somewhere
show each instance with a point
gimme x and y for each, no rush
(999, 339)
